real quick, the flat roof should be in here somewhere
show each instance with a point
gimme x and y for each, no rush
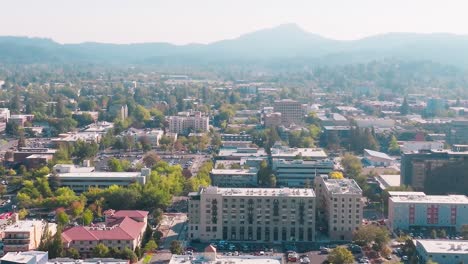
(378, 154)
(388, 180)
(233, 171)
(292, 152)
(342, 186)
(22, 257)
(444, 246)
(99, 174)
(423, 198)
(243, 259)
(284, 192)
(22, 226)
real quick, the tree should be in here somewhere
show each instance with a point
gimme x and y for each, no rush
(100, 251)
(77, 208)
(72, 253)
(151, 246)
(368, 234)
(56, 247)
(22, 213)
(464, 231)
(62, 218)
(351, 165)
(404, 108)
(393, 146)
(87, 217)
(433, 234)
(129, 255)
(150, 159)
(336, 175)
(176, 247)
(340, 255)
(442, 233)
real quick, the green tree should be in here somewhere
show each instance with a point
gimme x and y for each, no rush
(351, 165)
(404, 108)
(56, 247)
(88, 217)
(393, 146)
(176, 247)
(62, 218)
(151, 246)
(340, 255)
(72, 253)
(100, 251)
(128, 254)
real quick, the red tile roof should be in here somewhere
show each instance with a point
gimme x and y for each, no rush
(122, 229)
(130, 213)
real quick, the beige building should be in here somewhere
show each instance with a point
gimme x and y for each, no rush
(24, 235)
(183, 124)
(291, 111)
(340, 206)
(252, 214)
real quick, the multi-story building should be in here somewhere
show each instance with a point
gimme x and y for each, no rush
(28, 257)
(456, 132)
(252, 214)
(340, 206)
(298, 172)
(442, 251)
(187, 123)
(122, 229)
(272, 119)
(81, 181)
(279, 151)
(233, 153)
(416, 209)
(291, 111)
(234, 177)
(416, 166)
(24, 235)
(236, 137)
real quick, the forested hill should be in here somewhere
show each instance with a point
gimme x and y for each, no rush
(285, 43)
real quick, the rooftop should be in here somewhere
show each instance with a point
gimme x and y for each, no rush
(377, 154)
(418, 198)
(299, 192)
(99, 174)
(23, 257)
(87, 261)
(243, 259)
(281, 151)
(388, 180)
(23, 226)
(444, 246)
(233, 171)
(342, 186)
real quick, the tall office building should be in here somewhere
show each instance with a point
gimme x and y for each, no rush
(416, 166)
(252, 214)
(339, 205)
(291, 111)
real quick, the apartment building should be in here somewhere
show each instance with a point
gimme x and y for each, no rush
(24, 235)
(416, 209)
(252, 214)
(122, 229)
(291, 111)
(191, 122)
(340, 206)
(272, 119)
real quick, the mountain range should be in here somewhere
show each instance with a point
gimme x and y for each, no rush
(288, 43)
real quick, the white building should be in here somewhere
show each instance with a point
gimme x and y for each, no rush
(152, 135)
(211, 257)
(252, 214)
(442, 251)
(414, 146)
(297, 172)
(234, 177)
(82, 181)
(4, 115)
(340, 205)
(239, 153)
(377, 159)
(282, 152)
(184, 124)
(416, 209)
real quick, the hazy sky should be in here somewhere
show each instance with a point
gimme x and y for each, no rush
(202, 21)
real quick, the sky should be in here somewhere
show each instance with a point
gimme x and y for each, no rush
(205, 21)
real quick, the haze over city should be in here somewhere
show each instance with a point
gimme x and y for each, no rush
(204, 21)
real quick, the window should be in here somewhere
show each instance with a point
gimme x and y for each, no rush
(208, 229)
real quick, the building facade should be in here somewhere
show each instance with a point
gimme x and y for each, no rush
(442, 251)
(296, 173)
(23, 235)
(291, 111)
(234, 177)
(340, 206)
(252, 214)
(416, 209)
(185, 124)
